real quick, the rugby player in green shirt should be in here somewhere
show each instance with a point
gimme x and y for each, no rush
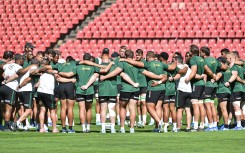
(129, 95)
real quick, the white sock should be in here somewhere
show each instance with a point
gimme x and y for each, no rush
(175, 125)
(214, 124)
(195, 125)
(122, 128)
(112, 126)
(206, 120)
(97, 117)
(139, 118)
(144, 118)
(201, 124)
(170, 120)
(165, 125)
(210, 125)
(102, 126)
(118, 118)
(128, 113)
(238, 123)
(88, 126)
(229, 121)
(49, 120)
(152, 120)
(18, 123)
(83, 126)
(27, 121)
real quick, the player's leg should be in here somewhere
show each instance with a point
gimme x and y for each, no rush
(236, 102)
(103, 110)
(82, 111)
(222, 98)
(41, 118)
(174, 115)
(112, 113)
(88, 107)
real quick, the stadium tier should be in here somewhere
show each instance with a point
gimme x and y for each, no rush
(175, 24)
(39, 22)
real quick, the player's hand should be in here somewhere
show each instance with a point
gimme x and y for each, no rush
(84, 87)
(102, 77)
(154, 83)
(112, 62)
(187, 80)
(36, 85)
(73, 80)
(136, 85)
(212, 80)
(122, 59)
(170, 78)
(102, 66)
(227, 84)
(55, 72)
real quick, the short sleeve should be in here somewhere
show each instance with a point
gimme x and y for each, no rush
(54, 66)
(121, 65)
(141, 70)
(74, 70)
(218, 64)
(192, 62)
(17, 68)
(146, 65)
(96, 69)
(234, 68)
(165, 66)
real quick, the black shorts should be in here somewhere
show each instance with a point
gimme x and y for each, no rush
(119, 88)
(143, 90)
(169, 99)
(8, 95)
(154, 96)
(209, 93)
(107, 99)
(84, 98)
(67, 91)
(46, 100)
(197, 92)
(183, 99)
(56, 92)
(236, 96)
(223, 97)
(126, 96)
(25, 97)
(243, 96)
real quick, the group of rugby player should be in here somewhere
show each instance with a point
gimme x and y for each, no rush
(123, 82)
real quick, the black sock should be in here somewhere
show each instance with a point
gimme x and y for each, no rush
(226, 126)
(243, 123)
(70, 127)
(64, 128)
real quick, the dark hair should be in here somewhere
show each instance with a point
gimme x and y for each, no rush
(115, 54)
(150, 54)
(8, 54)
(45, 61)
(123, 47)
(139, 51)
(129, 54)
(106, 51)
(69, 58)
(225, 50)
(179, 59)
(92, 59)
(34, 61)
(205, 50)
(164, 55)
(40, 53)
(236, 54)
(178, 54)
(222, 59)
(87, 56)
(194, 49)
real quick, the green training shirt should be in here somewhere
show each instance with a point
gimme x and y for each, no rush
(214, 65)
(221, 83)
(157, 68)
(170, 85)
(237, 86)
(142, 78)
(83, 74)
(65, 67)
(133, 73)
(108, 87)
(199, 62)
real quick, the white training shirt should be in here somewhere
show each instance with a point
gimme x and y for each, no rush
(47, 83)
(29, 85)
(10, 70)
(181, 85)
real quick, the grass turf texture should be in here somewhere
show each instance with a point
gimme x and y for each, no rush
(143, 140)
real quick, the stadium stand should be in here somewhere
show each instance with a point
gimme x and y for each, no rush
(159, 25)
